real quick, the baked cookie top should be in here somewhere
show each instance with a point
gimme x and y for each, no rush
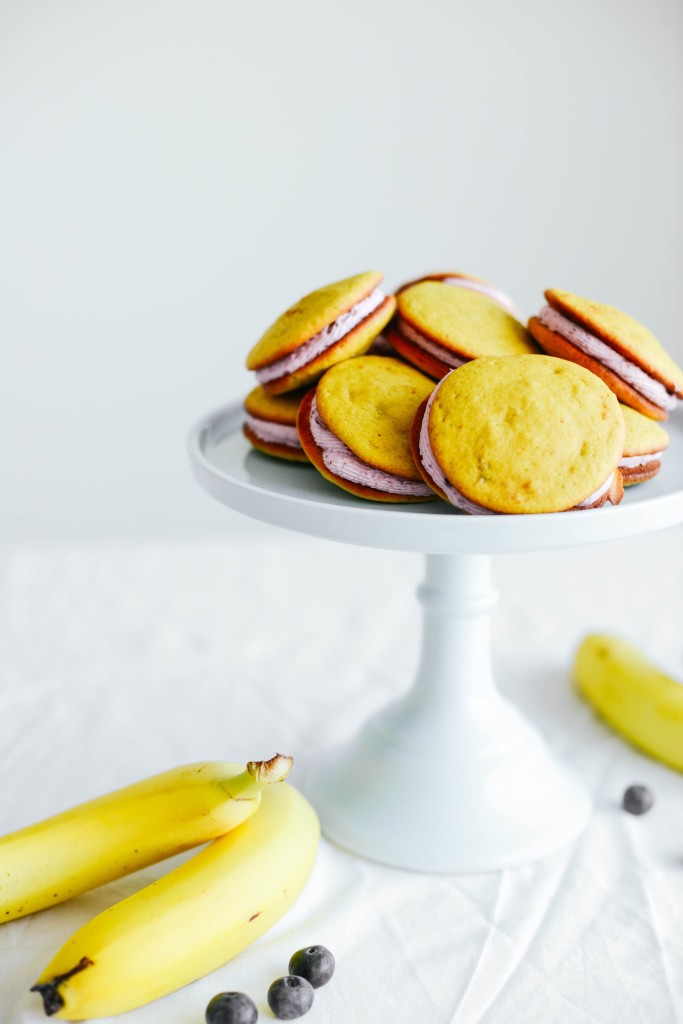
(621, 331)
(465, 322)
(457, 278)
(643, 435)
(309, 316)
(275, 408)
(444, 275)
(526, 434)
(369, 403)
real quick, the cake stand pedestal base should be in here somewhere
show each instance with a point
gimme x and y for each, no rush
(451, 777)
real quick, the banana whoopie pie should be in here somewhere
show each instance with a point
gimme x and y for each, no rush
(322, 329)
(270, 423)
(527, 434)
(355, 428)
(438, 327)
(645, 444)
(476, 284)
(614, 346)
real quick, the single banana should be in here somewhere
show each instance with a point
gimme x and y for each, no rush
(192, 920)
(128, 829)
(639, 700)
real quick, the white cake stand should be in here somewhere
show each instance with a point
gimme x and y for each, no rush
(450, 777)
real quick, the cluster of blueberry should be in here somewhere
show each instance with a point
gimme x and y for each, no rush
(288, 997)
(637, 800)
(292, 996)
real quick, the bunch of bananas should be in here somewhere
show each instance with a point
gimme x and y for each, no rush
(262, 840)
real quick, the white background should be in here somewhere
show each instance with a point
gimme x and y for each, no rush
(174, 174)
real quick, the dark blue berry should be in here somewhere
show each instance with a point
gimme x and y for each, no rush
(231, 1008)
(314, 963)
(290, 997)
(637, 800)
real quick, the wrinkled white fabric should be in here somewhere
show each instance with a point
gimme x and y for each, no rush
(118, 661)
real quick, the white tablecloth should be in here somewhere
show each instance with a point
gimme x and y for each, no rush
(118, 661)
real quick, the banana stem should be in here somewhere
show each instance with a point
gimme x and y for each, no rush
(52, 1001)
(248, 784)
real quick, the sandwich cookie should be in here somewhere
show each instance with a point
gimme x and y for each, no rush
(322, 329)
(437, 328)
(526, 435)
(475, 284)
(644, 447)
(355, 428)
(270, 423)
(614, 346)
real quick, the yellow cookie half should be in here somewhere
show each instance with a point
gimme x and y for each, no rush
(465, 322)
(623, 333)
(644, 438)
(442, 275)
(271, 423)
(527, 434)
(643, 435)
(274, 408)
(456, 278)
(309, 316)
(370, 403)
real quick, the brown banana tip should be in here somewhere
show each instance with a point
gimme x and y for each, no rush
(49, 990)
(52, 1001)
(274, 770)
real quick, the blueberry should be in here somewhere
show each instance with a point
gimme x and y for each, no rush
(637, 800)
(314, 963)
(290, 997)
(231, 1008)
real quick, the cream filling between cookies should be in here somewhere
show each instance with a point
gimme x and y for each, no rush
(456, 497)
(323, 340)
(273, 433)
(433, 348)
(634, 461)
(592, 498)
(485, 289)
(586, 342)
(341, 461)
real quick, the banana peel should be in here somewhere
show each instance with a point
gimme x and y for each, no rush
(109, 837)
(636, 698)
(190, 921)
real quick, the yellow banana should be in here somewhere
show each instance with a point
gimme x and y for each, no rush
(633, 695)
(128, 829)
(192, 920)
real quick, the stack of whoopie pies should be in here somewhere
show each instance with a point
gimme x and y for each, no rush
(440, 392)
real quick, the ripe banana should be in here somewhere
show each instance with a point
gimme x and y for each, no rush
(190, 921)
(633, 695)
(128, 829)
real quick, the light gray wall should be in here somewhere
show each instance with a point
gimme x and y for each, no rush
(174, 174)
